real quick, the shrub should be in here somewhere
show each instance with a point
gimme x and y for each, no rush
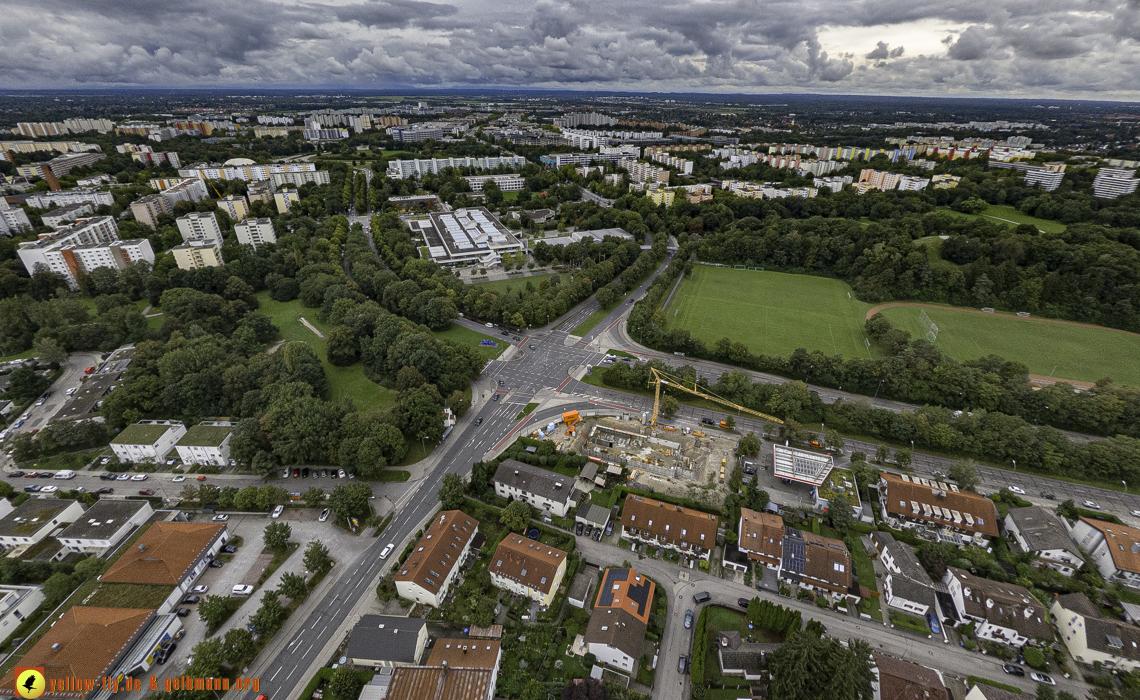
(1034, 658)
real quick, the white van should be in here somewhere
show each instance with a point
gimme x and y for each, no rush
(65, 474)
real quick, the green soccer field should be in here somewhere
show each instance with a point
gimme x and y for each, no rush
(1069, 352)
(773, 313)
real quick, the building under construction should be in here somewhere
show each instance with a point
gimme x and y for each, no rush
(684, 455)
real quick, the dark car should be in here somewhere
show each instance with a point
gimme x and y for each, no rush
(495, 397)
(682, 664)
(504, 333)
(578, 528)
(609, 528)
(305, 473)
(182, 612)
(598, 535)
(229, 549)
(191, 599)
(743, 602)
(589, 530)
(217, 564)
(107, 476)
(478, 421)
(105, 490)
(708, 421)
(531, 346)
(1050, 496)
(1013, 670)
(15, 475)
(46, 475)
(146, 492)
(33, 488)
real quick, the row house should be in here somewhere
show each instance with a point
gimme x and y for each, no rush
(683, 530)
(955, 516)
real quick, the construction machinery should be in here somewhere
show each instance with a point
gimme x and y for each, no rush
(570, 418)
(662, 378)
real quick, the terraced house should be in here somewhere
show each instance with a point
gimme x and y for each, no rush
(433, 565)
(688, 532)
(526, 567)
(950, 514)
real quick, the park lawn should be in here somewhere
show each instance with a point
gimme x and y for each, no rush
(773, 313)
(343, 381)
(465, 336)
(1005, 214)
(500, 286)
(1069, 352)
(510, 196)
(18, 356)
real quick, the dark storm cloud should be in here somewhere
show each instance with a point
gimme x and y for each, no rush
(1030, 46)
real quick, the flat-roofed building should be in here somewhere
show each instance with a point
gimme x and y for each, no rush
(525, 567)
(804, 466)
(467, 235)
(17, 604)
(428, 572)
(255, 232)
(199, 226)
(104, 525)
(147, 210)
(35, 519)
(507, 183)
(83, 247)
(147, 441)
(198, 254)
(956, 516)
(207, 443)
(285, 199)
(62, 216)
(616, 632)
(1037, 531)
(169, 554)
(418, 167)
(684, 530)
(541, 488)
(235, 205)
(387, 640)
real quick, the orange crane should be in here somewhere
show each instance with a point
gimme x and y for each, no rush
(660, 378)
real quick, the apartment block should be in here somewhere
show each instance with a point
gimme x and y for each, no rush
(62, 165)
(319, 177)
(206, 443)
(644, 172)
(1111, 183)
(260, 191)
(665, 197)
(147, 210)
(199, 226)
(945, 182)
(159, 159)
(234, 205)
(1005, 613)
(81, 125)
(684, 530)
(541, 488)
(835, 183)
(14, 219)
(524, 567)
(910, 183)
(412, 133)
(248, 173)
(879, 179)
(255, 232)
(198, 254)
(506, 183)
(147, 441)
(83, 247)
(428, 572)
(61, 216)
(35, 130)
(418, 167)
(284, 200)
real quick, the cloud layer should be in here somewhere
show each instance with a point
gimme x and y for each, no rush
(1006, 47)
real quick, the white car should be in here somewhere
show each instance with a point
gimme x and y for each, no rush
(242, 589)
(324, 515)
(340, 474)
(178, 479)
(285, 474)
(387, 550)
(277, 512)
(200, 589)
(138, 477)
(123, 477)
(489, 325)
(1042, 678)
(70, 391)
(49, 489)
(1090, 504)
(1135, 513)
(1016, 489)
(220, 518)
(105, 461)
(40, 402)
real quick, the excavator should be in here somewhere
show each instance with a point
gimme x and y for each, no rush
(662, 378)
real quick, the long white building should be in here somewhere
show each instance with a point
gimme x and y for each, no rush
(82, 247)
(47, 200)
(247, 173)
(418, 167)
(507, 183)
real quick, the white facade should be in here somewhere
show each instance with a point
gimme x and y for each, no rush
(153, 451)
(1061, 560)
(1111, 183)
(506, 183)
(412, 590)
(611, 656)
(13, 219)
(255, 232)
(46, 200)
(68, 513)
(199, 226)
(17, 603)
(1076, 629)
(83, 247)
(216, 454)
(107, 538)
(418, 167)
(320, 177)
(1095, 541)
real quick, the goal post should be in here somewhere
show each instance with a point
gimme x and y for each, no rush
(929, 328)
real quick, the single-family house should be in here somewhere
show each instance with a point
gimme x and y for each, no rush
(1114, 549)
(387, 640)
(896, 679)
(1004, 612)
(689, 532)
(616, 633)
(906, 586)
(1093, 638)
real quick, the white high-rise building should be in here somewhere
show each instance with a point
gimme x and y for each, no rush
(255, 232)
(12, 219)
(1111, 183)
(199, 226)
(83, 247)
(78, 126)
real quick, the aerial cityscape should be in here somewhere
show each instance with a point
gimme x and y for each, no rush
(551, 351)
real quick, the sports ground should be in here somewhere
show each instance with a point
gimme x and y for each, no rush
(775, 313)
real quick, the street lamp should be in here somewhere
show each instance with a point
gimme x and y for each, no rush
(879, 387)
(1014, 464)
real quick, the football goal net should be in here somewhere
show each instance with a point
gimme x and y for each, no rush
(929, 328)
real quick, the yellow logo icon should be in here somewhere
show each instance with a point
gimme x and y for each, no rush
(30, 682)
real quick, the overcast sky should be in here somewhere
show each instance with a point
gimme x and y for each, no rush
(1001, 48)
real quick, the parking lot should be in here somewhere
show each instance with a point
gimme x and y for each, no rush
(247, 565)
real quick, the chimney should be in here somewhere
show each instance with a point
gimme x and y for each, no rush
(56, 647)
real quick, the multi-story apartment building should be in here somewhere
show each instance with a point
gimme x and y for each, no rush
(35, 130)
(147, 210)
(319, 177)
(62, 216)
(206, 443)
(906, 586)
(62, 165)
(541, 488)
(197, 254)
(1093, 638)
(418, 167)
(248, 173)
(81, 125)
(1048, 176)
(428, 572)
(954, 516)
(573, 119)
(1114, 549)
(835, 183)
(234, 205)
(1111, 183)
(644, 172)
(910, 183)
(14, 219)
(524, 567)
(879, 179)
(684, 530)
(47, 200)
(199, 226)
(147, 441)
(412, 133)
(284, 200)
(161, 158)
(506, 183)
(82, 247)
(255, 232)
(260, 191)
(1003, 612)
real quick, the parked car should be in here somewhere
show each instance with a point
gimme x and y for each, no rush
(31, 475)
(1016, 489)
(182, 612)
(45, 475)
(1134, 512)
(1091, 504)
(105, 490)
(597, 536)
(171, 462)
(743, 602)
(138, 477)
(324, 515)
(609, 528)
(578, 528)
(220, 518)
(688, 619)
(229, 549)
(1043, 678)
(285, 474)
(49, 489)
(15, 475)
(1048, 495)
(202, 478)
(123, 477)
(191, 599)
(242, 589)
(708, 421)
(589, 530)
(278, 511)
(105, 461)
(305, 473)
(146, 492)
(340, 474)
(387, 550)
(478, 421)
(1013, 670)
(201, 588)
(702, 597)
(70, 391)
(296, 473)
(33, 488)
(178, 479)
(324, 473)
(216, 563)
(107, 476)
(682, 664)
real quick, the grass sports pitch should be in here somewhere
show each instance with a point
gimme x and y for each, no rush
(1077, 352)
(773, 313)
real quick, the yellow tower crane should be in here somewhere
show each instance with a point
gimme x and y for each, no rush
(660, 378)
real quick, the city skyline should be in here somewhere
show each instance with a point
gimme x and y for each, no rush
(967, 48)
